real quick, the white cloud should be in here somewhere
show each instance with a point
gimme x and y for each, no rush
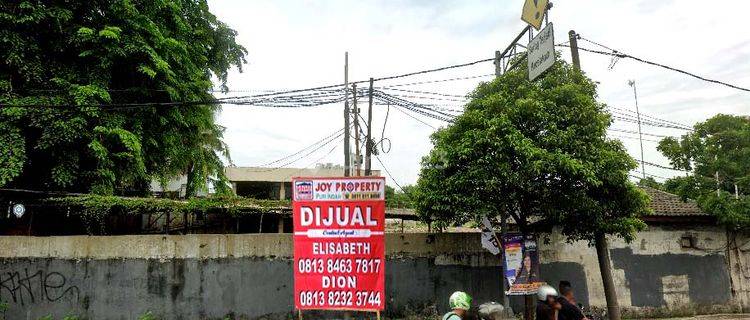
(300, 44)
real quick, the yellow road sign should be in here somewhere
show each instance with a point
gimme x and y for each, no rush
(533, 12)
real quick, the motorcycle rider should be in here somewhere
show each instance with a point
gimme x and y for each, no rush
(547, 306)
(459, 302)
(568, 308)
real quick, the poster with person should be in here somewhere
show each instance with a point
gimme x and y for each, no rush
(521, 264)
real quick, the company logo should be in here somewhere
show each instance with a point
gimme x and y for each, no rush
(303, 190)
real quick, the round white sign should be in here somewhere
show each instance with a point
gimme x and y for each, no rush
(18, 210)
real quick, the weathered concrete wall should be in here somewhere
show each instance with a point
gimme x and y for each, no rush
(739, 264)
(652, 271)
(250, 276)
(213, 276)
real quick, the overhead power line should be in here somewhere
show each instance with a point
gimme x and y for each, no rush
(415, 107)
(661, 166)
(428, 98)
(415, 118)
(239, 100)
(423, 92)
(303, 149)
(650, 175)
(620, 54)
(441, 80)
(632, 138)
(308, 98)
(310, 152)
(316, 161)
(429, 70)
(634, 114)
(388, 172)
(646, 122)
(636, 132)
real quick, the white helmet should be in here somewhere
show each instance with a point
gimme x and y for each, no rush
(545, 291)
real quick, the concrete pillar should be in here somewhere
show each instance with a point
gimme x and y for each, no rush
(282, 191)
(281, 223)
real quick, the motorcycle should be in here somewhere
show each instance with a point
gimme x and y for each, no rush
(493, 311)
(591, 314)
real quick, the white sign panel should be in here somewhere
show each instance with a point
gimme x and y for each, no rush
(489, 240)
(541, 52)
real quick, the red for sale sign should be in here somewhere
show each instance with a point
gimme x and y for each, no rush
(339, 243)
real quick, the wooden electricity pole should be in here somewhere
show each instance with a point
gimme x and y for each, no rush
(347, 169)
(368, 142)
(600, 241)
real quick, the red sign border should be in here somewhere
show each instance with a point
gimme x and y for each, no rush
(293, 179)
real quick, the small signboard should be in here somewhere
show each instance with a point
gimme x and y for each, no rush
(339, 243)
(489, 240)
(541, 52)
(521, 264)
(533, 12)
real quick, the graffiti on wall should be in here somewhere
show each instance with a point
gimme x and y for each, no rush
(29, 286)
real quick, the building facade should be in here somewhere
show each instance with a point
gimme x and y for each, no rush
(276, 183)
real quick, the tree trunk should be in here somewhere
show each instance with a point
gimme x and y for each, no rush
(602, 253)
(190, 184)
(529, 307)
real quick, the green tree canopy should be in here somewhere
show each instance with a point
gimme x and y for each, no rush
(87, 53)
(718, 148)
(537, 151)
(650, 182)
(400, 198)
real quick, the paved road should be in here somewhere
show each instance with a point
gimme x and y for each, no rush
(716, 317)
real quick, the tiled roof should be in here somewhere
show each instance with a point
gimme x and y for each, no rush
(665, 204)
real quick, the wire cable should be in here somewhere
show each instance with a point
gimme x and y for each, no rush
(631, 113)
(636, 132)
(632, 138)
(442, 80)
(304, 149)
(383, 139)
(388, 172)
(620, 54)
(415, 118)
(661, 166)
(423, 92)
(303, 156)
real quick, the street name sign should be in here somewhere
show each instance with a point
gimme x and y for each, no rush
(533, 12)
(541, 52)
(339, 243)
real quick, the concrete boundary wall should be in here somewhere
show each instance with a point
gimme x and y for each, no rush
(218, 276)
(249, 276)
(213, 246)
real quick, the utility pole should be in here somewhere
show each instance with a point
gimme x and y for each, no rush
(640, 136)
(600, 239)
(357, 154)
(347, 169)
(573, 37)
(368, 143)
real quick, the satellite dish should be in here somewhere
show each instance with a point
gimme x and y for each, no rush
(18, 210)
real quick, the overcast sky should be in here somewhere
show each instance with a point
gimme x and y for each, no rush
(301, 44)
